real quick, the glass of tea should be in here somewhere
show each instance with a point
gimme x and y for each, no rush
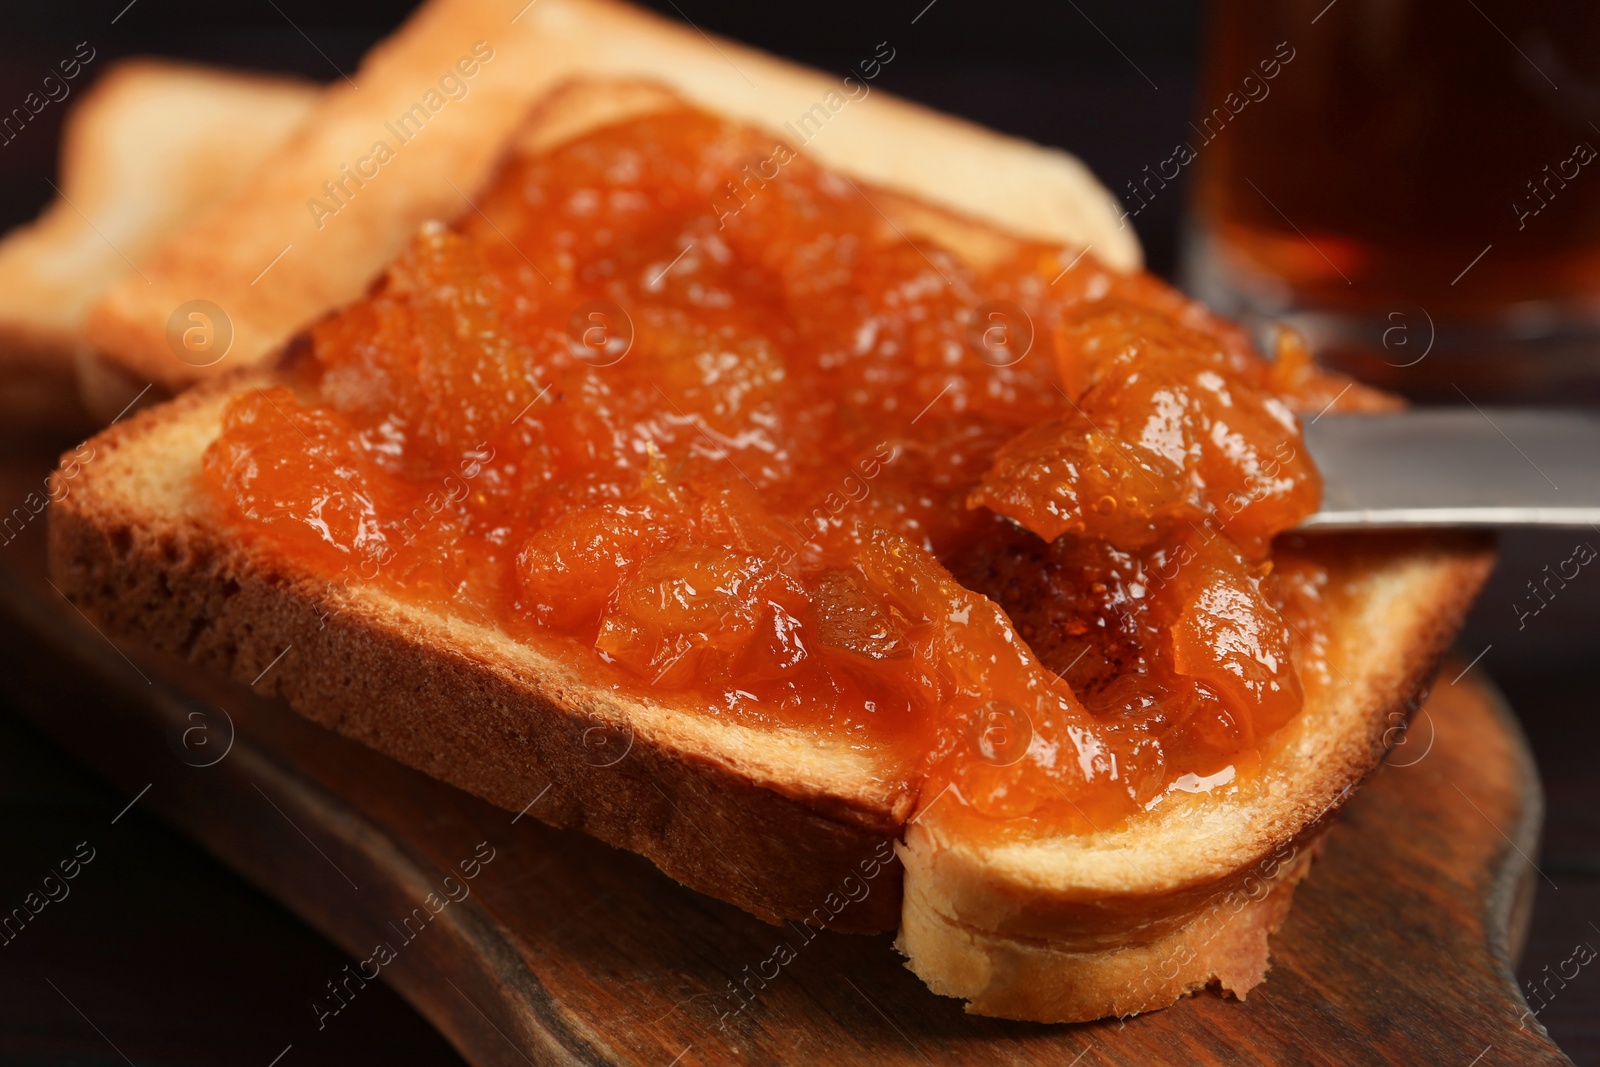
(1414, 184)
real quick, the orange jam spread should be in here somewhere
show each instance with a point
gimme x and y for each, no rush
(745, 444)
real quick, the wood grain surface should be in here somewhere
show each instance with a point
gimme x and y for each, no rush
(561, 950)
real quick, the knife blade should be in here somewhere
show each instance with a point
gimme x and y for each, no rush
(1461, 467)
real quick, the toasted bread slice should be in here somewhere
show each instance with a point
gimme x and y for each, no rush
(149, 145)
(784, 823)
(467, 71)
(776, 822)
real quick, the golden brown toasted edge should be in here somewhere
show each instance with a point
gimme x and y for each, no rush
(333, 251)
(1225, 946)
(1069, 953)
(149, 140)
(770, 824)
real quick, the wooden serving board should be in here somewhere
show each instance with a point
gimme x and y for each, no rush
(561, 950)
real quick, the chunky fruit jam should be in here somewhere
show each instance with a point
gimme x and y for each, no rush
(706, 418)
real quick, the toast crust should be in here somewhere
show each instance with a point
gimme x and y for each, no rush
(1225, 944)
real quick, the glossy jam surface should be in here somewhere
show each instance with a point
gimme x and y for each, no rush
(697, 412)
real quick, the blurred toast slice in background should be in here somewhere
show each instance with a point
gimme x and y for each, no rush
(150, 145)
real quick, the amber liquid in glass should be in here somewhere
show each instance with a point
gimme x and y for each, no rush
(1431, 163)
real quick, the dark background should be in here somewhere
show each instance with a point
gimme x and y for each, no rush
(178, 961)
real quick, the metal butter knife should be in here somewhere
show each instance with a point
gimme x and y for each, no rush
(1457, 467)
